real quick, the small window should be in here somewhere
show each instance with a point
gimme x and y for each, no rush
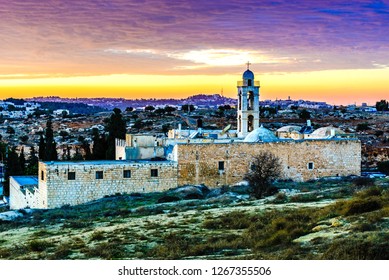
(154, 172)
(99, 175)
(221, 165)
(71, 175)
(126, 173)
(42, 175)
(310, 165)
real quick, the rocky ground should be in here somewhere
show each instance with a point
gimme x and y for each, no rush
(315, 220)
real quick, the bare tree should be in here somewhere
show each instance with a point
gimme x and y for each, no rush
(264, 169)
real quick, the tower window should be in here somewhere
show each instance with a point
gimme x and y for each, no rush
(311, 166)
(42, 175)
(250, 100)
(154, 172)
(71, 175)
(240, 101)
(99, 175)
(249, 83)
(250, 123)
(126, 173)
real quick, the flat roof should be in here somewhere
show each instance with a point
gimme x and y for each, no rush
(26, 180)
(279, 140)
(106, 162)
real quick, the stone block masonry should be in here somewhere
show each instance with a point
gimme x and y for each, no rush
(225, 164)
(72, 183)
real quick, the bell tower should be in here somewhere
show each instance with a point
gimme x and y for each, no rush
(248, 103)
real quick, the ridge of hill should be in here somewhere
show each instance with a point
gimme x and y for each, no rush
(208, 100)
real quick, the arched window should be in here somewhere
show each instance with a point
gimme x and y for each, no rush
(250, 123)
(240, 101)
(250, 100)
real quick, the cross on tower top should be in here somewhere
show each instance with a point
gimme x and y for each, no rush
(248, 65)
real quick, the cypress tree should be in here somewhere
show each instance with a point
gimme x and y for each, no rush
(22, 162)
(116, 128)
(99, 145)
(86, 147)
(51, 146)
(42, 148)
(32, 166)
(12, 168)
(77, 155)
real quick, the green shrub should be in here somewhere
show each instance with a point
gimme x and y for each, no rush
(372, 191)
(278, 228)
(107, 251)
(232, 220)
(383, 167)
(373, 248)
(304, 197)
(97, 235)
(362, 126)
(358, 206)
(364, 227)
(62, 252)
(77, 243)
(39, 245)
(174, 246)
(280, 198)
(77, 224)
(363, 181)
(41, 233)
(5, 253)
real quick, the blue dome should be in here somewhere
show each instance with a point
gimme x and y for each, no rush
(248, 75)
(260, 134)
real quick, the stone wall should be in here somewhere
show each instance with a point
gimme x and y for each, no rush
(57, 189)
(199, 163)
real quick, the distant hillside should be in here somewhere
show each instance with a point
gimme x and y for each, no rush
(212, 100)
(74, 108)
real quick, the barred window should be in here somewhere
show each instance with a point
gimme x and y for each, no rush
(126, 173)
(99, 175)
(154, 172)
(71, 175)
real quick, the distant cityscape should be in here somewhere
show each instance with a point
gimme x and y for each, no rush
(19, 108)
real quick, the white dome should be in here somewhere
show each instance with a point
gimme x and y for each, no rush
(260, 134)
(325, 132)
(289, 128)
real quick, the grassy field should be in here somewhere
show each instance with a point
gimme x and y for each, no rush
(313, 220)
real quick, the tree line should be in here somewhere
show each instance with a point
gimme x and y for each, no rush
(103, 148)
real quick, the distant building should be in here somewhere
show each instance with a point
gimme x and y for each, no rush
(60, 112)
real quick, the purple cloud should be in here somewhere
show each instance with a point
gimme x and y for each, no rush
(74, 36)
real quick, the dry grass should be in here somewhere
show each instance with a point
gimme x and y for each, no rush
(126, 227)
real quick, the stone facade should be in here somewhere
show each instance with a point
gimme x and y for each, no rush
(225, 164)
(72, 183)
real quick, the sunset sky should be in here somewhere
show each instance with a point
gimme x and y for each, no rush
(335, 51)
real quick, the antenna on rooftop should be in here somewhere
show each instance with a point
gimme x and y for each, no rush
(225, 130)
